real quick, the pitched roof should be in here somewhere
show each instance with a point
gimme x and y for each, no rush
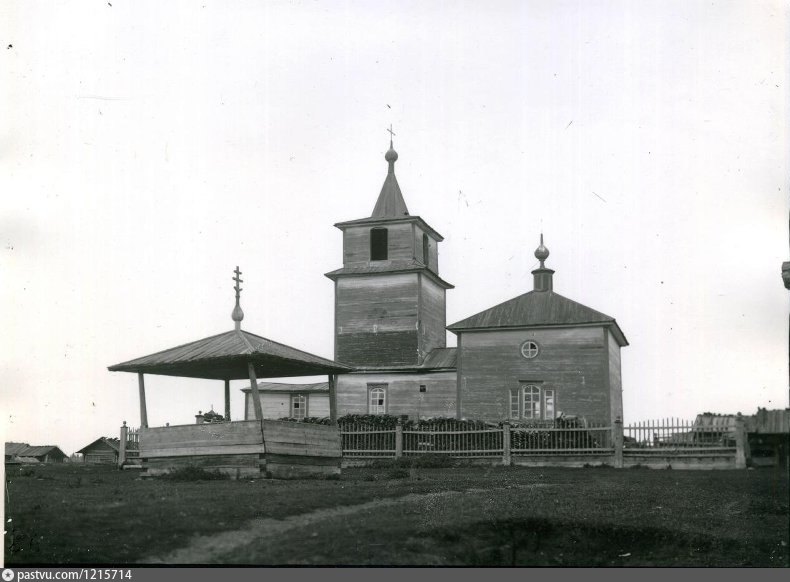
(441, 358)
(284, 387)
(390, 203)
(113, 443)
(40, 451)
(225, 357)
(14, 449)
(537, 309)
(391, 266)
(437, 360)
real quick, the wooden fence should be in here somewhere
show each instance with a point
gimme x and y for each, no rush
(675, 433)
(660, 443)
(476, 441)
(129, 446)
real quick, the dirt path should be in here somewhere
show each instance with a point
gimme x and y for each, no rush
(211, 549)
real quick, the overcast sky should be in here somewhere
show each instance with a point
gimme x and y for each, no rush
(147, 148)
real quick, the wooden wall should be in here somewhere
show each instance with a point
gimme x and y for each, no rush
(235, 448)
(572, 361)
(615, 377)
(244, 448)
(356, 244)
(433, 316)
(376, 320)
(100, 452)
(403, 393)
(278, 405)
(433, 249)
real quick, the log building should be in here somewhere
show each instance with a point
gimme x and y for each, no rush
(527, 359)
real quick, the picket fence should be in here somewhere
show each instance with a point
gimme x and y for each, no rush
(667, 439)
(129, 449)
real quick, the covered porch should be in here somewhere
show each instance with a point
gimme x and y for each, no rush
(245, 448)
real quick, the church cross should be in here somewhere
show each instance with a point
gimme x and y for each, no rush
(392, 133)
(238, 280)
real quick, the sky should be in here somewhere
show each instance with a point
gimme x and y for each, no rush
(148, 148)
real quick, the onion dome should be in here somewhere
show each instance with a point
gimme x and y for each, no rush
(541, 253)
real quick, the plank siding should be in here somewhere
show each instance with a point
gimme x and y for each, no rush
(356, 244)
(433, 317)
(377, 320)
(433, 249)
(318, 405)
(242, 448)
(615, 377)
(573, 362)
(278, 405)
(403, 393)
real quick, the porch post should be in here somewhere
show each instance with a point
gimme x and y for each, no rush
(122, 444)
(227, 400)
(741, 444)
(398, 439)
(256, 397)
(332, 399)
(143, 411)
(618, 443)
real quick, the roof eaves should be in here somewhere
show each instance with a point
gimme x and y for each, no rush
(373, 221)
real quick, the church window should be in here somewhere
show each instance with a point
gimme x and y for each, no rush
(426, 249)
(548, 404)
(526, 403)
(298, 406)
(378, 244)
(515, 413)
(531, 402)
(377, 399)
(423, 388)
(530, 349)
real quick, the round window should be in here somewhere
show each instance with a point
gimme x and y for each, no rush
(529, 349)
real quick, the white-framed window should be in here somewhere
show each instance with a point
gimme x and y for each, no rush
(515, 409)
(531, 399)
(530, 349)
(298, 406)
(531, 402)
(377, 399)
(548, 405)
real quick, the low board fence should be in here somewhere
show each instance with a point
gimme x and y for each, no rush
(668, 442)
(474, 440)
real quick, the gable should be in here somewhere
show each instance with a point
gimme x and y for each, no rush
(537, 308)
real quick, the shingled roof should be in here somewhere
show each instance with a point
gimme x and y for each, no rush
(538, 309)
(225, 357)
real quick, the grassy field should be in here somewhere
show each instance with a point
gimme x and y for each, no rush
(385, 516)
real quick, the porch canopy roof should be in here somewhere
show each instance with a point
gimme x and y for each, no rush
(226, 357)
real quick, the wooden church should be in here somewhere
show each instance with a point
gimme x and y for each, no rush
(527, 359)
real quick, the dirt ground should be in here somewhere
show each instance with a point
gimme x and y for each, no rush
(472, 516)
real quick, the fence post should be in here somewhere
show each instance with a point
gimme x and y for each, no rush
(618, 443)
(398, 439)
(122, 445)
(740, 443)
(506, 458)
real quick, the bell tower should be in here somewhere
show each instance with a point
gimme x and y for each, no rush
(389, 298)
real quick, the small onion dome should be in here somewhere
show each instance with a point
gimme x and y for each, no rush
(541, 253)
(391, 156)
(237, 314)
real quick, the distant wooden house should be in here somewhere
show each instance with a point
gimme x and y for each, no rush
(103, 450)
(12, 451)
(42, 454)
(279, 400)
(769, 437)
